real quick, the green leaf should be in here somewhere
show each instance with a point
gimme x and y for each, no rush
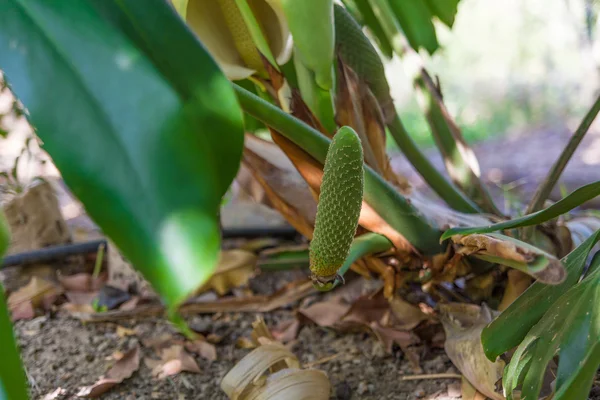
(571, 328)
(445, 10)
(367, 18)
(312, 27)
(148, 137)
(415, 19)
(13, 383)
(511, 327)
(575, 199)
(579, 384)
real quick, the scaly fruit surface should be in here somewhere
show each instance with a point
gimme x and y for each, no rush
(339, 206)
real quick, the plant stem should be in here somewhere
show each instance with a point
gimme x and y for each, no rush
(384, 199)
(99, 258)
(446, 190)
(446, 133)
(545, 188)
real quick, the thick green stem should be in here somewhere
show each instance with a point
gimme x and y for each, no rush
(446, 190)
(385, 200)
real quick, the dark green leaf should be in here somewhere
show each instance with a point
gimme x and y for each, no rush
(13, 384)
(148, 138)
(368, 19)
(571, 328)
(575, 199)
(445, 10)
(579, 384)
(415, 18)
(511, 327)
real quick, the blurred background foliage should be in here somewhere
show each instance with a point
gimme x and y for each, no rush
(510, 67)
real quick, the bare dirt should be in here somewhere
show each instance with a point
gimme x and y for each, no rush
(62, 352)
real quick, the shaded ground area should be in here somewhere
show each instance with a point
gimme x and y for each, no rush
(62, 352)
(513, 166)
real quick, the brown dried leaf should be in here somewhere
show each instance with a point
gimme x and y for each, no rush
(469, 392)
(283, 185)
(174, 359)
(389, 336)
(204, 349)
(375, 131)
(123, 369)
(325, 313)
(367, 309)
(406, 316)
(514, 253)
(463, 324)
(286, 331)
(349, 111)
(37, 293)
(235, 269)
(517, 283)
(245, 343)
(83, 282)
(123, 332)
(300, 110)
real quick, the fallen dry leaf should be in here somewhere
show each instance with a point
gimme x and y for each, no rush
(325, 313)
(55, 394)
(286, 331)
(516, 284)
(235, 268)
(469, 392)
(173, 360)
(406, 316)
(123, 369)
(463, 324)
(123, 332)
(83, 282)
(38, 293)
(285, 380)
(203, 348)
(245, 343)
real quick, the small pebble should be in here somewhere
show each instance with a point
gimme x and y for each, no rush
(419, 393)
(343, 391)
(454, 390)
(89, 357)
(362, 388)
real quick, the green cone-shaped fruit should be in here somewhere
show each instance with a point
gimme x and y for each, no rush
(339, 206)
(359, 54)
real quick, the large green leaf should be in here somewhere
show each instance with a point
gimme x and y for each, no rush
(511, 327)
(148, 137)
(13, 384)
(445, 10)
(363, 13)
(415, 18)
(571, 328)
(575, 199)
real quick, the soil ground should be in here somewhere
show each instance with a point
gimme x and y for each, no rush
(62, 352)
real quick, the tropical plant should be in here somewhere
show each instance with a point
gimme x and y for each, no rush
(136, 110)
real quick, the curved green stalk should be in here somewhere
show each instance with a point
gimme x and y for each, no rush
(369, 243)
(446, 190)
(385, 200)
